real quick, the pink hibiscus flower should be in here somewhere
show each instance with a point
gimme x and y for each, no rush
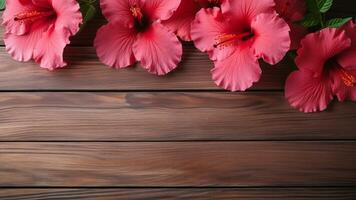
(135, 33)
(181, 21)
(327, 68)
(40, 29)
(293, 11)
(237, 36)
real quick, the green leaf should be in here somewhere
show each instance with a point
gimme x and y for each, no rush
(311, 6)
(309, 21)
(2, 5)
(337, 22)
(324, 5)
(88, 11)
(313, 17)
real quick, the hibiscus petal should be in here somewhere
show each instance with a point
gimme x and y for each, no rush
(291, 10)
(272, 40)
(350, 29)
(317, 48)
(307, 93)
(208, 25)
(346, 60)
(339, 88)
(247, 9)
(68, 15)
(181, 21)
(158, 49)
(43, 3)
(118, 10)
(49, 49)
(237, 72)
(209, 3)
(21, 47)
(14, 7)
(352, 94)
(114, 43)
(160, 9)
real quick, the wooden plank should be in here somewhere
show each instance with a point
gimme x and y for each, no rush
(181, 193)
(178, 164)
(165, 116)
(87, 73)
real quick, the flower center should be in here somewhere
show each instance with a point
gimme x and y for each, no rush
(141, 22)
(348, 79)
(332, 65)
(136, 13)
(226, 40)
(214, 3)
(208, 3)
(33, 15)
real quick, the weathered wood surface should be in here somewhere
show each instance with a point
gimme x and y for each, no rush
(167, 116)
(87, 73)
(181, 193)
(171, 164)
(90, 132)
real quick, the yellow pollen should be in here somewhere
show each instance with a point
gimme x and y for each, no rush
(348, 79)
(226, 40)
(31, 15)
(136, 12)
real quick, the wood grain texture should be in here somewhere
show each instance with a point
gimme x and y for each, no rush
(165, 116)
(87, 73)
(130, 135)
(174, 164)
(179, 193)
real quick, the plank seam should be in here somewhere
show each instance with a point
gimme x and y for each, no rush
(174, 187)
(183, 141)
(138, 91)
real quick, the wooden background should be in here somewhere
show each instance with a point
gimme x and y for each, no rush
(89, 132)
